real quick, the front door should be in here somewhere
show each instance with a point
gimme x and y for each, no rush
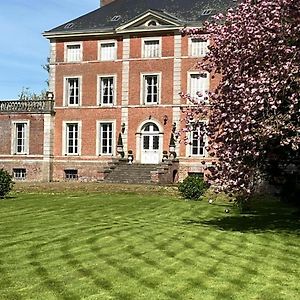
(150, 144)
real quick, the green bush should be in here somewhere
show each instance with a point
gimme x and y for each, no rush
(6, 183)
(193, 187)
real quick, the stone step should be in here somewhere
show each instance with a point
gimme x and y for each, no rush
(134, 173)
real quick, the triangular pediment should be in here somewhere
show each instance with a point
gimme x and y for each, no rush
(151, 20)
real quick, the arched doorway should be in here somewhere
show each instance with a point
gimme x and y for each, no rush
(150, 143)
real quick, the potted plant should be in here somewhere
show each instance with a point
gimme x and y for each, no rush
(165, 155)
(130, 157)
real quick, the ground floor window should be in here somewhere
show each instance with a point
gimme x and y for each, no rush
(19, 174)
(71, 174)
(198, 141)
(106, 138)
(72, 138)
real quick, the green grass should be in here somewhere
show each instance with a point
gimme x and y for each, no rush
(144, 243)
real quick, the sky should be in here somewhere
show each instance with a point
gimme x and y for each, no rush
(23, 49)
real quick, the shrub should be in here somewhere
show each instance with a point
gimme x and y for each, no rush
(192, 187)
(6, 183)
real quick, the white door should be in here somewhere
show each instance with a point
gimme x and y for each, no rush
(150, 144)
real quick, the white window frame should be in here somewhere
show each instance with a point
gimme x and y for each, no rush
(189, 147)
(65, 149)
(98, 137)
(20, 176)
(100, 43)
(204, 89)
(99, 89)
(149, 39)
(14, 144)
(143, 88)
(66, 90)
(203, 48)
(67, 59)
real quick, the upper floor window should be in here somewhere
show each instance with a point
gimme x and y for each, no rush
(20, 138)
(151, 48)
(108, 50)
(199, 85)
(72, 91)
(198, 47)
(73, 52)
(107, 90)
(151, 90)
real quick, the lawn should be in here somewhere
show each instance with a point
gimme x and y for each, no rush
(118, 242)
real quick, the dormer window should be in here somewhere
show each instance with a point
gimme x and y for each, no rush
(115, 18)
(207, 12)
(151, 23)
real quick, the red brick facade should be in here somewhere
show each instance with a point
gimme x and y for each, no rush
(83, 132)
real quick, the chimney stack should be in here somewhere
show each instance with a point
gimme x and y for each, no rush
(105, 2)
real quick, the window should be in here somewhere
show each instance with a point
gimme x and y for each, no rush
(106, 138)
(73, 52)
(72, 139)
(151, 48)
(71, 174)
(199, 85)
(151, 89)
(198, 47)
(19, 174)
(207, 12)
(107, 90)
(197, 142)
(21, 137)
(152, 23)
(108, 51)
(116, 18)
(72, 91)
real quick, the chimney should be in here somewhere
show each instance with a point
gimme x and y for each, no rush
(105, 2)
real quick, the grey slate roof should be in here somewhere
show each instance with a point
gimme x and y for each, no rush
(185, 12)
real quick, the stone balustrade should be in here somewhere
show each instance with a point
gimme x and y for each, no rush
(27, 106)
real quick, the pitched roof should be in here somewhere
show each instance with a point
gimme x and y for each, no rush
(183, 12)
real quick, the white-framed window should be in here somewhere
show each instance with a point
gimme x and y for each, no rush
(73, 52)
(107, 90)
(198, 85)
(72, 138)
(72, 91)
(198, 141)
(71, 174)
(105, 137)
(107, 50)
(151, 47)
(150, 88)
(20, 137)
(19, 173)
(198, 47)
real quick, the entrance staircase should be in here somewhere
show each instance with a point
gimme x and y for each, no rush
(134, 173)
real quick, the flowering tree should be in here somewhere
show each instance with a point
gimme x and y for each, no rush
(254, 114)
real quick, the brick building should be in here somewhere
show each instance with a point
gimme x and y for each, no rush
(114, 72)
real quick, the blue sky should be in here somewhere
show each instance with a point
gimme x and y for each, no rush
(23, 49)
